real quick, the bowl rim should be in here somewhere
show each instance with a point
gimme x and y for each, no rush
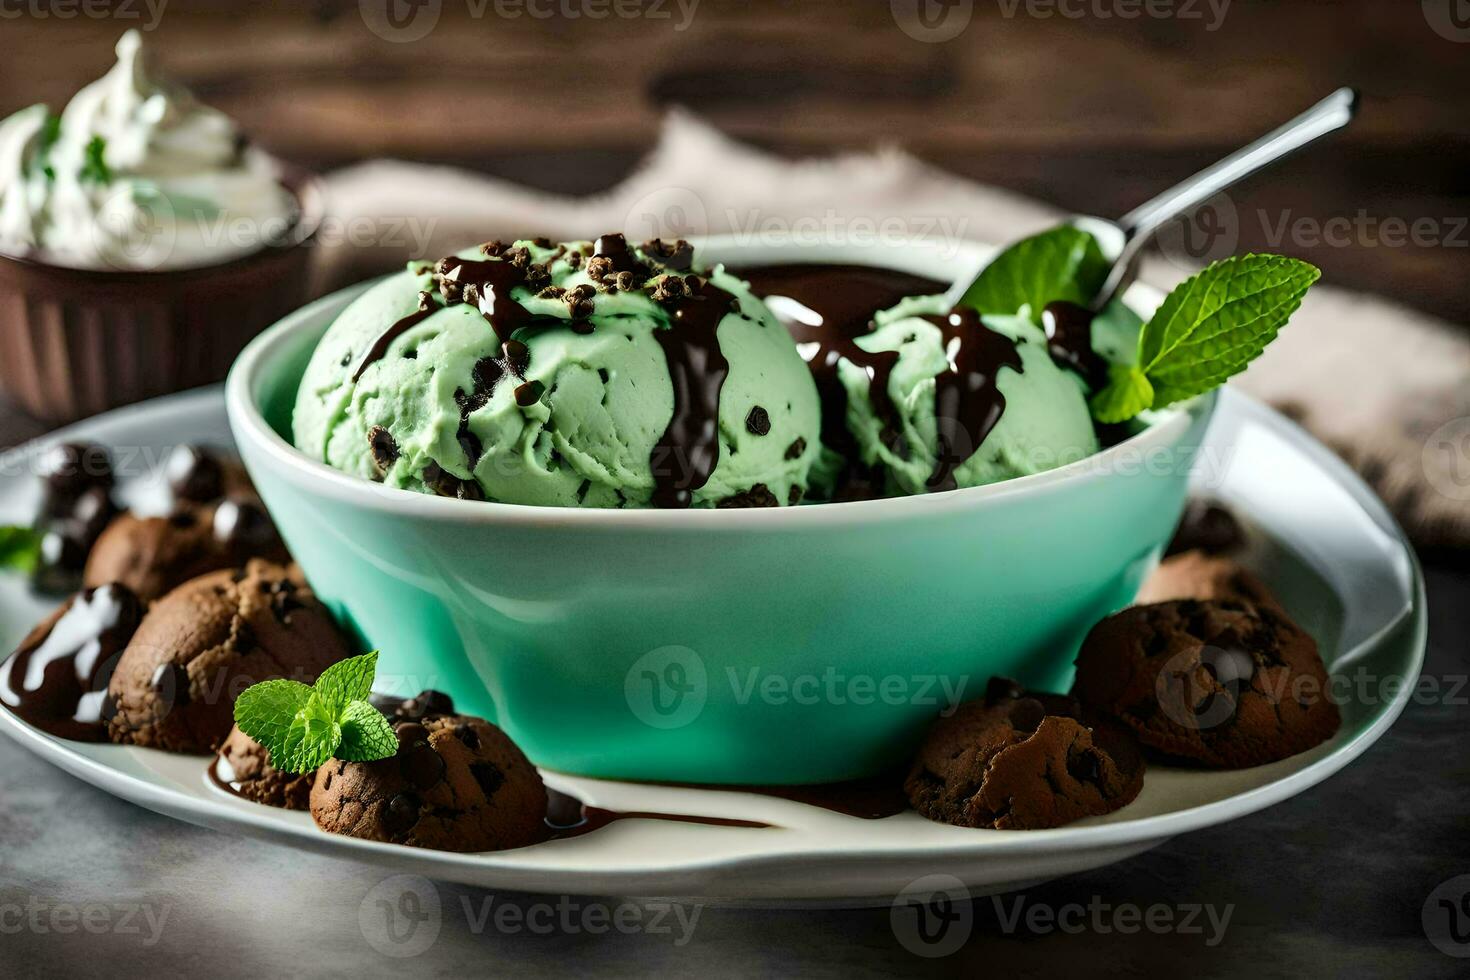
(251, 429)
(305, 187)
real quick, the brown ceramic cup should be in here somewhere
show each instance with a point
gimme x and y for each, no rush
(75, 342)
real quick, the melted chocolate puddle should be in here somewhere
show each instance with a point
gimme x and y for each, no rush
(567, 816)
(58, 682)
(868, 799)
(967, 395)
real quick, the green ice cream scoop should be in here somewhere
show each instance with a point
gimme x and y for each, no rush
(947, 398)
(583, 374)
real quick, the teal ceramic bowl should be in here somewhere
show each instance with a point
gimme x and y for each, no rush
(787, 645)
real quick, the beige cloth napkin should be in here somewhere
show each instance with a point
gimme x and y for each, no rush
(1387, 387)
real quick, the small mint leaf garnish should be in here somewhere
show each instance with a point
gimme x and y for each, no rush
(310, 741)
(1064, 263)
(94, 163)
(1207, 330)
(346, 681)
(1219, 321)
(1127, 393)
(266, 711)
(20, 549)
(366, 734)
(302, 726)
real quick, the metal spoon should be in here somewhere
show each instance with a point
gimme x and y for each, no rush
(1121, 240)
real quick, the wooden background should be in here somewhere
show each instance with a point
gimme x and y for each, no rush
(1093, 113)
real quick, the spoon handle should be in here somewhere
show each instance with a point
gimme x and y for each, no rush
(1139, 225)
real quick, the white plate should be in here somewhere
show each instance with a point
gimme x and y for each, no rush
(1319, 537)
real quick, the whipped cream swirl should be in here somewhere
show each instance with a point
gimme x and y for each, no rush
(135, 174)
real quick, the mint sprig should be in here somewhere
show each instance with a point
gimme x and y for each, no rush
(1064, 263)
(1207, 330)
(302, 726)
(20, 548)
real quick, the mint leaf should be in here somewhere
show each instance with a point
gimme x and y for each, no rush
(1207, 330)
(265, 711)
(303, 726)
(347, 681)
(1215, 323)
(366, 734)
(1128, 392)
(1061, 264)
(20, 548)
(94, 162)
(313, 736)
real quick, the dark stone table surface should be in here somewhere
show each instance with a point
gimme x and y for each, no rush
(1333, 882)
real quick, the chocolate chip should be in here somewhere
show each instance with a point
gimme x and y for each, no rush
(488, 776)
(428, 702)
(795, 450)
(1085, 767)
(417, 760)
(1208, 527)
(529, 393)
(1002, 689)
(1026, 715)
(401, 813)
(468, 736)
(758, 422)
(170, 683)
(195, 474)
(62, 558)
(245, 524)
(387, 704)
(677, 256)
(92, 512)
(383, 447)
(69, 468)
(517, 356)
(446, 484)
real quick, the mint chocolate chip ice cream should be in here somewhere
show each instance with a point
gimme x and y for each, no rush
(944, 398)
(591, 374)
(135, 174)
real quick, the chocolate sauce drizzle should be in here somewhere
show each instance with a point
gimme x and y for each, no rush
(58, 681)
(825, 308)
(1069, 341)
(567, 816)
(688, 451)
(686, 454)
(486, 283)
(967, 395)
(379, 349)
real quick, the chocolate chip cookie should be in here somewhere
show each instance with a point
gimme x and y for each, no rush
(154, 555)
(1199, 575)
(1206, 526)
(1221, 682)
(205, 642)
(457, 783)
(1022, 761)
(247, 767)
